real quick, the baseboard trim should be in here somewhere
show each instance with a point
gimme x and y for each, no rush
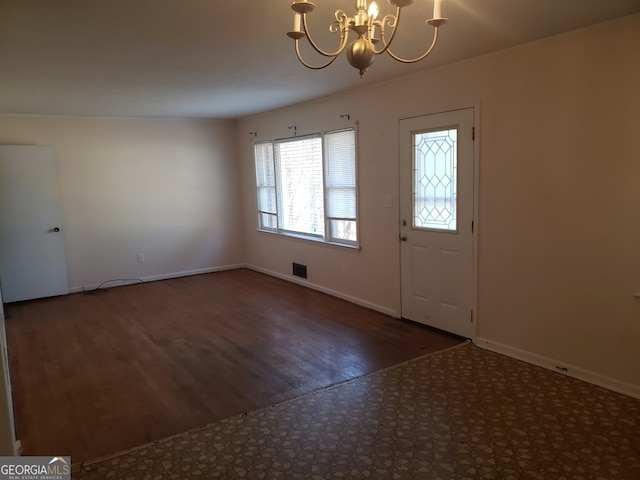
(561, 367)
(334, 293)
(153, 278)
(304, 283)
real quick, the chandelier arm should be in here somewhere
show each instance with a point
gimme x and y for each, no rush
(312, 67)
(342, 22)
(392, 22)
(414, 60)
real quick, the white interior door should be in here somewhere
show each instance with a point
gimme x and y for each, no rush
(32, 256)
(436, 211)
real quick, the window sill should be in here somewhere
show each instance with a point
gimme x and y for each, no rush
(315, 240)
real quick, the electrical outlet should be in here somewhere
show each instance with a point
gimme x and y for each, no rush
(141, 258)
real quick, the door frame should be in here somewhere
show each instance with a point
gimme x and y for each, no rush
(476, 195)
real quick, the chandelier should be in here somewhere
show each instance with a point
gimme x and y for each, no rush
(373, 36)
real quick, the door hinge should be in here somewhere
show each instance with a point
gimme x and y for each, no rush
(472, 226)
(473, 133)
(471, 316)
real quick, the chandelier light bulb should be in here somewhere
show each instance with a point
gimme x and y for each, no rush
(373, 10)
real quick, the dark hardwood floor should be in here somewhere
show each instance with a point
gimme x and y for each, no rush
(98, 373)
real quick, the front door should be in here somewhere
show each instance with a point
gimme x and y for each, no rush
(436, 212)
(32, 255)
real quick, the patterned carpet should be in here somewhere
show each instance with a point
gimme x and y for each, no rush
(464, 413)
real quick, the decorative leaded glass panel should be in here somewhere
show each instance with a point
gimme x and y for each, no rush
(435, 179)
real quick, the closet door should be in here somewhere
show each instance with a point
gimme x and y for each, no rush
(32, 255)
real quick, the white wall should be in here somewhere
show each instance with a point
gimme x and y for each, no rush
(164, 188)
(559, 233)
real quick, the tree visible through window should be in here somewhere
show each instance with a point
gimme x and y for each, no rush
(307, 187)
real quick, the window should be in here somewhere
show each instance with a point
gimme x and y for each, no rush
(435, 181)
(307, 187)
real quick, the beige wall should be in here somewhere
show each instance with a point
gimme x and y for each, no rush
(164, 188)
(559, 192)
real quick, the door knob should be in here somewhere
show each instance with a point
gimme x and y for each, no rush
(403, 238)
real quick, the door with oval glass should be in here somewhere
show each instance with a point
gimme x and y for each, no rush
(436, 212)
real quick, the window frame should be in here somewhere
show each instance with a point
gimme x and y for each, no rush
(268, 154)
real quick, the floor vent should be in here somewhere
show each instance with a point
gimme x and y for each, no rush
(299, 270)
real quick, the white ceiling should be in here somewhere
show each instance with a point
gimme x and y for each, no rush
(226, 59)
